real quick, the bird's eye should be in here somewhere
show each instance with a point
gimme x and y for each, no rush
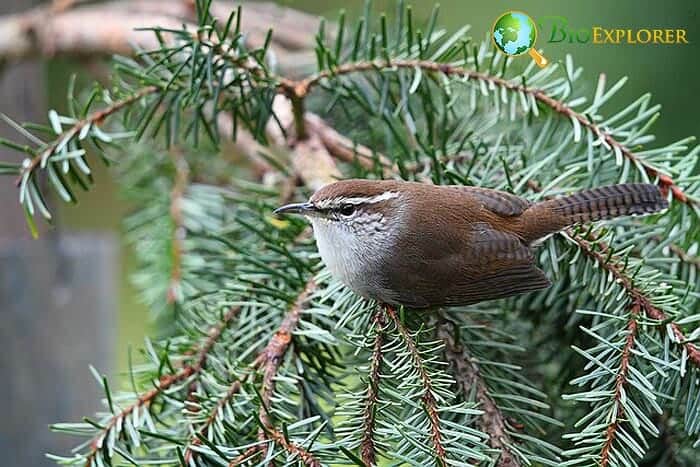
(347, 210)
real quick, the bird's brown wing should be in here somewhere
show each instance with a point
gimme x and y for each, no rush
(494, 264)
(499, 202)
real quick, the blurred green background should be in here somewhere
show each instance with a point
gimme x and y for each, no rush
(669, 72)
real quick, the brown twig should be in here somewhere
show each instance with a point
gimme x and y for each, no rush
(246, 455)
(684, 256)
(177, 194)
(302, 87)
(428, 399)
(620, 383)
(468, 376)
(600, 253)
(343, 148)
(367, 448)
(165, 382)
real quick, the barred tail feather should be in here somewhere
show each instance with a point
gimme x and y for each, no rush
(608, 202)
(605, 202)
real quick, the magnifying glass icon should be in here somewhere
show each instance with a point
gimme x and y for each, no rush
(514, 33)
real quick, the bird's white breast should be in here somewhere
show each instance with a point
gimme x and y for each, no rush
(351, 257)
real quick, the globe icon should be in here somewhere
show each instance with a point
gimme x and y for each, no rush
(515, 33)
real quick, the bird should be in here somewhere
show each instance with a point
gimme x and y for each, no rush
(420, 245)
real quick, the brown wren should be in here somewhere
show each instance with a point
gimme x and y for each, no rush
(420, 245)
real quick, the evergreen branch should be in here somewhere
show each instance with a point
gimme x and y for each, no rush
(177, 248)
(270, 358)
(620, 383)
(600, 253)
(367, 447)
(468, 375)
(428, 398)
(302, 88)
(165, 382)
(92, 119)
(272, 355)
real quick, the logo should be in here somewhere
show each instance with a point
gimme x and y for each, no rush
(561, 31)
(514, 33)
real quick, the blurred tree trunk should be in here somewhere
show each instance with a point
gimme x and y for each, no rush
(57, 302)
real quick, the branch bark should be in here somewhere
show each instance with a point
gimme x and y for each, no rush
(620, 383)
(428, 399)
(272, 356)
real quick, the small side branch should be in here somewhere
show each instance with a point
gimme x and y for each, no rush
(600, 253)
(620, 383)
(164, 384)
(428, 399)
(469, 378)
(233, 389)
(367, 447)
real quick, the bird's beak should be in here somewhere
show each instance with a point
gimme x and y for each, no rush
(295, 208)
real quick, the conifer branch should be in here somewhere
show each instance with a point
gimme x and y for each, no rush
(620, 383)
(272, 356)
(304, 86)
(367, 447)
(269, 358)
(217, 84)
(468, 376)
(164, 384)
(94, 118)
(293, 448)
(600, 253)
(428, 397)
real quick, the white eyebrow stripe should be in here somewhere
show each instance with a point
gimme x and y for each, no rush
(338, 201)
(387, 195)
